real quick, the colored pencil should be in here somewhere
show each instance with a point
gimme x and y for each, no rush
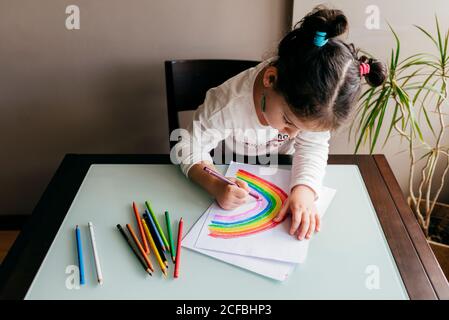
(178, 249)
(153, 247)
(224, 179)
(166, 246)
(170, 236)
(142, 234)
(154, 235)
(79, 247)
(152, 226)
(145, 257)
(95, 252)
(133, 248)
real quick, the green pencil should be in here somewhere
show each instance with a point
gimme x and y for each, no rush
(159, 229)
(170, 236)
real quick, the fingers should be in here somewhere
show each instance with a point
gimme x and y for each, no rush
(238, 201)
(238, 191)
(242, 184)
(305, 223)
(318, 223)
(230, 204)
(311, 226)
(282, 213)
(233, 203)
(233, 195)
(296, 220)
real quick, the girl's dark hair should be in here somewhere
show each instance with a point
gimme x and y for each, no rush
(322, 84)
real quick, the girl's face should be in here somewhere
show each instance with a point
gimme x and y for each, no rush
(278, 114)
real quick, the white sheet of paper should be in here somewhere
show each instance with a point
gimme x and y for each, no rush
(276, 243)
(269, 268)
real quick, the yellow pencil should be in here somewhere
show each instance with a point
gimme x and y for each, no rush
(153, 247)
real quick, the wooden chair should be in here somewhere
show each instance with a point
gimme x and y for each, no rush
(187, 82)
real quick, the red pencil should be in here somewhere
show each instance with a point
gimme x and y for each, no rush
(178, 249)
(142, 234)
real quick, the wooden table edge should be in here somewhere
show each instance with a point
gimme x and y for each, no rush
(425, 253)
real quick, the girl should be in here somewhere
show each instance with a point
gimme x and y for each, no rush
(286, 104)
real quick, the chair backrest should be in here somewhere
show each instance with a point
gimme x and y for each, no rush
(187, 82)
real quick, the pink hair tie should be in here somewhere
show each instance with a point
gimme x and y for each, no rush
(364, 68)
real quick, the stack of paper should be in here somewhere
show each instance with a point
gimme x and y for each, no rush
(247, 237)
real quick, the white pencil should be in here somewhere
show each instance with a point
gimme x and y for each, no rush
(97, 259)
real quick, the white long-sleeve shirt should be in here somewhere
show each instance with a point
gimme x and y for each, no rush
(228, 113)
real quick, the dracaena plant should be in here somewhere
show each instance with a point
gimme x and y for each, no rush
(415, 89)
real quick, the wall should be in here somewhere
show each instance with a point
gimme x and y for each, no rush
(101, 89)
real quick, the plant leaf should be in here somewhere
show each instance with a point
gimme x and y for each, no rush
(428, 121)
(393, 122)
(368, 122)
(427, 33)
(379, 124)
(440, 42)
(398, 46)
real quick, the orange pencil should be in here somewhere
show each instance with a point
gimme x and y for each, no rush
(131, 231)
(178, 249)
(142, 234)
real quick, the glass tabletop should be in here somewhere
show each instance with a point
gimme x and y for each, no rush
(348, 259)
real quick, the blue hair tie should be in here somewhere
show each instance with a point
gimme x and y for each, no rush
(320, 39)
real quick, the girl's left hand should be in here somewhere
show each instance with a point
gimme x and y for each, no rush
(305, 217)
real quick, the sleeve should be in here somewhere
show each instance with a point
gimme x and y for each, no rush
(310, 160)
(203, 134)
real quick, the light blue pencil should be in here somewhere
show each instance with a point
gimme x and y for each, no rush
(80, 254)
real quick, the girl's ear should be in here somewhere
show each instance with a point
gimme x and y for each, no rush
(270, 76)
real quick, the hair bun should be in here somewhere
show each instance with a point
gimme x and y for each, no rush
(377, 73)
(338, 25)
(331, 21)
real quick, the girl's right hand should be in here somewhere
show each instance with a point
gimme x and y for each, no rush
(229, 196)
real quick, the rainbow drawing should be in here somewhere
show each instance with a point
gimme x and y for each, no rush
(254, 220)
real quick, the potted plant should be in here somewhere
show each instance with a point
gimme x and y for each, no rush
(416, 89)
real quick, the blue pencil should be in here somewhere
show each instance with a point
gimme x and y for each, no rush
(158, 236)
(80, 254)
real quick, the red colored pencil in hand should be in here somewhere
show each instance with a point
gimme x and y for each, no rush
(178, 249)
